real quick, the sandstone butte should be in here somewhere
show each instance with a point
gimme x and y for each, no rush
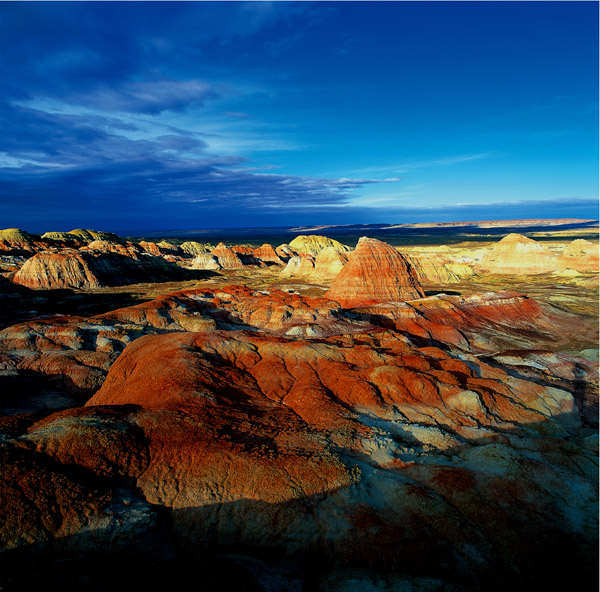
(267, 254)
(580, 255)
(518, 255)
(328, 264)
(129, 249)
(161, 249)
(90, 235)
(245, 255)
(415, 443)
(227, 258)
(322, 268)
(375, 272)
(194, 248)
(300, 266)
(69, 268)
(205, 261)
(313, 244)
(437, 268)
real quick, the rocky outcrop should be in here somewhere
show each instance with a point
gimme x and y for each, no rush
(285, 252)
(267, 254)
(375, 272)
(128, 249)
(205, 261)
(328, 264)
(516, 254)
(69, 268)
(245, 255)
(313, 244)
(14, 241)
(226, 257)
(580, 255)
(161, 249)
(88, 235)
(299, 266)
(193, 248)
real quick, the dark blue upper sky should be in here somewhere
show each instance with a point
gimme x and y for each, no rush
(150, 115)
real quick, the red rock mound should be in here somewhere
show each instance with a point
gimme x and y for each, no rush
(375, 272)
(267, 254)
(226, 257)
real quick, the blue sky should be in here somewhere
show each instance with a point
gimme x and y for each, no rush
(143, 116)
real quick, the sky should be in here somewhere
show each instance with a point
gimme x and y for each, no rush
(149, 115)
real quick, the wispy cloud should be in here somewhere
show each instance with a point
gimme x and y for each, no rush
(406, 166)
(150, 97)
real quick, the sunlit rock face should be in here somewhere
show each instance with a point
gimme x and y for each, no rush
(328, 264)
(375, 272)
(313, 244)
(267, 254)
(129, 249)
(69, 268)
(193, 248)
(226, 257)
(205, 261)
(518, 255)
(14, 241)
(300, 266)
(580, 255)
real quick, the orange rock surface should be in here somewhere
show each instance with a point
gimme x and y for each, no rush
(267, 254)
(375, 272)
(226, 257)
(435, 442)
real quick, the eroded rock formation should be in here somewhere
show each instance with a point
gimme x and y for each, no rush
(226, 257)
(518, 255)
(580, 255)
(313, 244)
(392, 442)
(69, 268)
(375, 272)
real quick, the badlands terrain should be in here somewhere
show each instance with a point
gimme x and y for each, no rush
(302, 416)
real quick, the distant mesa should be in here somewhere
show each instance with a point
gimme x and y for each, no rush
(91, 235)
(160, 249)
(128, 249)
(375, 273)
(69, 268)
(516, 254)
(313, 244)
